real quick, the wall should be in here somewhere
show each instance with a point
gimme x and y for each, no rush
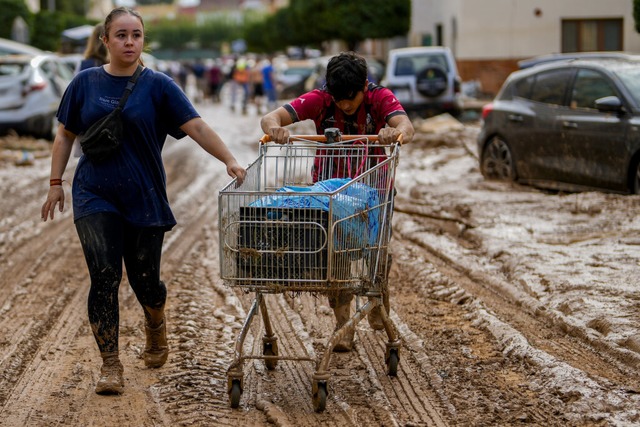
(488, 37)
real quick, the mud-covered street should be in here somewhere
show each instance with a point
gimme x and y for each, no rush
(515, 306)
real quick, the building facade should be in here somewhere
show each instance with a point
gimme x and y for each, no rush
(489, 37)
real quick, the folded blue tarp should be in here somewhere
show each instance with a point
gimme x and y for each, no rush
(356, 203)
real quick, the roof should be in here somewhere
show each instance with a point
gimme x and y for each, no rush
(543, 59)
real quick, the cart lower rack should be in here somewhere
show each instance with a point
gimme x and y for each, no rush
(315, 217)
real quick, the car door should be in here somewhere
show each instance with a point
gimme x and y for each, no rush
(594, 140)
(546, 151)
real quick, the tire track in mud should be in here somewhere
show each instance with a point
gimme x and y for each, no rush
(531, 318)
(577, 398)
(26, 322)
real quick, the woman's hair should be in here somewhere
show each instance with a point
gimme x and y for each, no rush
(346, 75)
(95, 47)
(119, 11)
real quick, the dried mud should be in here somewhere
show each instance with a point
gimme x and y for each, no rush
(515, 306)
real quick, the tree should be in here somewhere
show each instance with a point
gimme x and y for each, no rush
(351, 21)
(147, 2)
(636, 14)
(9, 11)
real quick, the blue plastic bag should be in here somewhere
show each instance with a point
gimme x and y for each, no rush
(357, 202)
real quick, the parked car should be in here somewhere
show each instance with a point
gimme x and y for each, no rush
(10, 47)
(567, 125)
(291, 76)
(31, 87)
(316, 79)
(424, 79)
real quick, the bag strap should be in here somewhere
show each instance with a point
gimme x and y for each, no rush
(130, 84)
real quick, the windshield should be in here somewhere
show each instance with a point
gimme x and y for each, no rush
(630, 77)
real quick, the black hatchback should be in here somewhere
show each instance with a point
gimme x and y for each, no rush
(569, 125)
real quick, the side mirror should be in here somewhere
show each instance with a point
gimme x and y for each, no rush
(610, 104)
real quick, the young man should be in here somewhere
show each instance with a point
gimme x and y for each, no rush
(349, 102)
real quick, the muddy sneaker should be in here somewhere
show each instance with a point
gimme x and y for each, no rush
(375, 319)
(156, 351)
(343, 313)
(111, 379)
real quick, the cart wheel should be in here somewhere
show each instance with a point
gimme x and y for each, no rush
(269, 350)
(235, 393)
(392, 363)
(320, 398)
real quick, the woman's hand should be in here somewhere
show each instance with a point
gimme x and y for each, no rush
(54, 197)
(236, 171)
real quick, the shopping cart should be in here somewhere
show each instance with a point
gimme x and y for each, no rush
(313, 215)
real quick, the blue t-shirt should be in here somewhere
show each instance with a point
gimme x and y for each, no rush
(132, 183)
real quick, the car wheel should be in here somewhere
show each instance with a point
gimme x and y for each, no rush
(431, 81)
(46, 127)
(52, 128)
(497, 161)
(635, 179)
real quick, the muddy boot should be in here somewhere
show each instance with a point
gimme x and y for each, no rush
(156, 350)
(343, 314)
(111, 379)
(374, 317)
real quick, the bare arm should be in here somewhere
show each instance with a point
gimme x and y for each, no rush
(399, 124)
(272, 124)
(211, 142)
(60, 153)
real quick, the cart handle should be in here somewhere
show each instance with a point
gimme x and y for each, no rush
(321, 138)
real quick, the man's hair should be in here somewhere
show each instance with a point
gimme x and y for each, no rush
(346, 75)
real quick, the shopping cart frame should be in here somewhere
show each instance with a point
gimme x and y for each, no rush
(250, 261)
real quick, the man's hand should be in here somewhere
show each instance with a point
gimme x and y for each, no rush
(279, 135)
(388, 135)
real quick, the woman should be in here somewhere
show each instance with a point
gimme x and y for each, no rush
(96, 53)
(121, 211)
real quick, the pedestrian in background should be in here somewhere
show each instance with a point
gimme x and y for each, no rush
(120, 206)
(269, 84)
(96, 53)
(215, 78)
(355, 106)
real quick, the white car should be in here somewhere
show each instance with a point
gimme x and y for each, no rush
(31, 87)
(10, 47)
(424, 79)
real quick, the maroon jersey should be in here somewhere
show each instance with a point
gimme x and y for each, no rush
(378, 106)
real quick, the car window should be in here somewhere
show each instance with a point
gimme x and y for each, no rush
(404, 67)
(589, 86)
(9, 69)
(522, 88)
(409, 65)
(550, 87)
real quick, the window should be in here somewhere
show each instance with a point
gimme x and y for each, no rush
(589, 86)
(588, 35)
(550, 87)
(522, 88)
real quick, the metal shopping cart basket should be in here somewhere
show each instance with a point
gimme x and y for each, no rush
(313, 215)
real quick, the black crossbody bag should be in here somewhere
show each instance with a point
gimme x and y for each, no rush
(102, 139)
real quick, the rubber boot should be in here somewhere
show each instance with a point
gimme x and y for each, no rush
(343, 314)
(111, 379)
(156, 350)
